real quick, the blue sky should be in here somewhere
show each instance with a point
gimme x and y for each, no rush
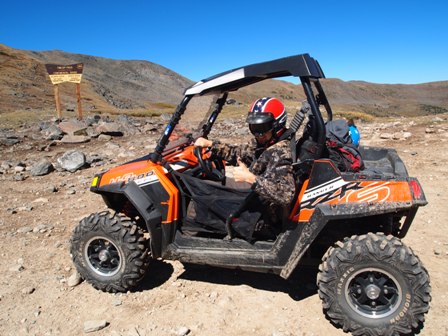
(375, 41)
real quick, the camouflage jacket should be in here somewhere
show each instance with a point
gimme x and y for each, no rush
(275, 181)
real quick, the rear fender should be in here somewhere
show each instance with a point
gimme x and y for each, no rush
(326, 196)
(323, 214)
(326, 186)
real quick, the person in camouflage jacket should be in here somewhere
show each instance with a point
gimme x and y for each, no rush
(265, 162)
(267, 168)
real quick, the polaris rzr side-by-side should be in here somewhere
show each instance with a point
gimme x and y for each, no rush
(175, 204)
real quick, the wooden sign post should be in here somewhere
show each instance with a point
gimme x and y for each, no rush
(66, 73)
(78, 98)
(58, 101)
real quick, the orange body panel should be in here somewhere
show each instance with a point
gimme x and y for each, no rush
(136, 171)
(186, 156)
(139, 169)
(173, 198)
(351, 192)
(128, 172)
(182, 155)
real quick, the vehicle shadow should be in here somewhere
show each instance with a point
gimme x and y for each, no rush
(158, 273)
(299, 286)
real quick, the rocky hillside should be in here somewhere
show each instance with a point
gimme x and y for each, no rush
(127, 86)
(388, 99)
(378, 100)
(106, 85)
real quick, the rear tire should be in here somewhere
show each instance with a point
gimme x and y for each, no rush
(109, 252)
(374, 285)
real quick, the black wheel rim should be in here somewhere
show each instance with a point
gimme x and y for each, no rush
(102, 256)
(373, 293)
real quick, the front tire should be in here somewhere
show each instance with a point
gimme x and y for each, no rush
(374, 285)
(109, 252)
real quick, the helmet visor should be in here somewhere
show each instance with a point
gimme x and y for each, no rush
(260, 129)
(260, 123)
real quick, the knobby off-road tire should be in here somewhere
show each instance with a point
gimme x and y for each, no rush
(374, 285)
(109, 252)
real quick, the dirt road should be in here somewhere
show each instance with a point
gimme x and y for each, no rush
(37, 215)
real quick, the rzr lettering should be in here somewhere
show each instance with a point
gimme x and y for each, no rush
(375, 192)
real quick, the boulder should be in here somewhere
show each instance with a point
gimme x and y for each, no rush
(42, 167)
(73, 127)
(72, 160)
(109, 128)
(53, 132)
(75, 139)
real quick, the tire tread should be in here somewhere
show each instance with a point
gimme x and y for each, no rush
(379, 248)
(126, 235)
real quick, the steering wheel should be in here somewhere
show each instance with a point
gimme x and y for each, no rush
(212, 167)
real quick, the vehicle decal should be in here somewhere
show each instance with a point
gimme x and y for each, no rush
(168, 129)
(130, 177)
(373, 192)
(180, 165)
(323, 188)
(147, 180)
(146, 177)
(213, 82)
(334, 189)
(338, 191)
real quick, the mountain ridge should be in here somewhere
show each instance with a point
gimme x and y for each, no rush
(127, 85)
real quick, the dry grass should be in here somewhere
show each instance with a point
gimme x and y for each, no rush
(20, 117)
(150, 110)
(355, 115)
(234, 111)
(144, 113)
(238, 111)
(17, 118)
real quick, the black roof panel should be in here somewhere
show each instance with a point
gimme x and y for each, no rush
(302, 65)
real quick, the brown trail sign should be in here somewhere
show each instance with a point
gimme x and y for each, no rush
(66, 73)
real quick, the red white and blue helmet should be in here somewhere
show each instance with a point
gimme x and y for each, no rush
(267, 114)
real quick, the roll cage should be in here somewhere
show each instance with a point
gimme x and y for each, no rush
(303, 66)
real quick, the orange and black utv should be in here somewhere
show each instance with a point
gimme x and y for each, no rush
(174, 204)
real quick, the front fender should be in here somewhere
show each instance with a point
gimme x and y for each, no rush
(150, 214)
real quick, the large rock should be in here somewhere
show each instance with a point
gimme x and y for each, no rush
(109, 128)
(72, 160)
(43, 167)
(9, 140)
(73, 127)
(75, 139)
(52, 132)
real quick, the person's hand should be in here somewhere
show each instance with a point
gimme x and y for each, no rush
(203, 142)
(243, 174)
